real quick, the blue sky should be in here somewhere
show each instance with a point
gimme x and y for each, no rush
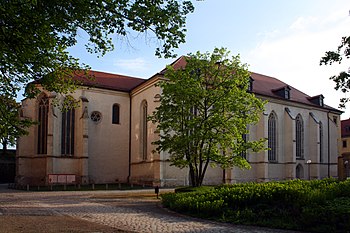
(280, 38)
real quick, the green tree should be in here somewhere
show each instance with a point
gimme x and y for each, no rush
(12, 126)
(204, 112)
(35, 35)
(342, 79)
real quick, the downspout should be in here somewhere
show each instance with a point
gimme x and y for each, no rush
(223, 176)
(129, 172)
(329, 149)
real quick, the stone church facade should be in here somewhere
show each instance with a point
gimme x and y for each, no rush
(108, 139)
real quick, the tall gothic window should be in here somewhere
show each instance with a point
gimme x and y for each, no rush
(67, 136)
(43, 111)
(299, 134)
(272, 137)
(115, 114)
(143, 128)
(321, 142)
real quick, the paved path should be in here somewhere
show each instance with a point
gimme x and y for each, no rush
(127, 214)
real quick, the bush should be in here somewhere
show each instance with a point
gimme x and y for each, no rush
(193, 189)
(295, 204)
(333, 216)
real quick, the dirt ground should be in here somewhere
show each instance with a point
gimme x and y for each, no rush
(50, 224)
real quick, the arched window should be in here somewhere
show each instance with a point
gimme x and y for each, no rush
(143, 130)
(43, 110)
(299, 134)
(272, 137)
(67, 136)
(115, 114)
(299, 172)
(321, 142)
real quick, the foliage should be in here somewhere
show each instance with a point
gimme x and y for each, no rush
(204, 112)
(193, 189)
(12, 126)
(342, 79)
(35, 35)
(332, 216)
(318, 205)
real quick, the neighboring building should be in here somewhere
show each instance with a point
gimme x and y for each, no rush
(108, 138)
(344, 159)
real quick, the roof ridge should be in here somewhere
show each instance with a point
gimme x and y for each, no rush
(270, 77)
(114, 74)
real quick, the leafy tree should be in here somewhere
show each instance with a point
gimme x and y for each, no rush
(204, 112)
(342, 79)
(12, 126)
(35, 35)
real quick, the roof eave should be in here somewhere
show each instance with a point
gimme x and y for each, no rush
(326, 107)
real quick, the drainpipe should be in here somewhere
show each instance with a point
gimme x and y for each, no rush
(223, 176)
(129, 172)
(329, 149)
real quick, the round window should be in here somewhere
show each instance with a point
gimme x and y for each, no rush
(96, 116)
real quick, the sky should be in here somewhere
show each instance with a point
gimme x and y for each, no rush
(284, 39)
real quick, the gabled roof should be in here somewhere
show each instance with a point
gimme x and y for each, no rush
(177, 64)
(267, 86)
(262, 85)
(105, 80)
(109, 81)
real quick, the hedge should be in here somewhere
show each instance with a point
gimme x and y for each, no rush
(317, 205)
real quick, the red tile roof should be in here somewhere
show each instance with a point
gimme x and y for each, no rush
(262, 85)
(266, 86)
(177, 64)
(110, 81)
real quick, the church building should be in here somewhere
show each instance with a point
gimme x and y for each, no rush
(108, 139)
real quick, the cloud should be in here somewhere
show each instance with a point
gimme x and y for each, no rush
(303, 23)
(269, 34)
(293, 54)
(133, 65)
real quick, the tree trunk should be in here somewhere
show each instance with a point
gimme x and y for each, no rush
(192, 176)
(4, 147)
(202, 172)
(195, 177)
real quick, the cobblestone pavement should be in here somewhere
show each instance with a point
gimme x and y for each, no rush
(128, 214)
